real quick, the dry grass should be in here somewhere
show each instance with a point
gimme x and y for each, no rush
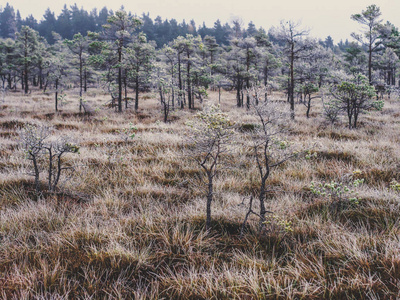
(130, 222)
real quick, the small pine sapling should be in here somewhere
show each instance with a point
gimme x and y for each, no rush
(210, 136)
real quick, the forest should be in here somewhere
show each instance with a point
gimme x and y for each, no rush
(124, 51)
(145, 159)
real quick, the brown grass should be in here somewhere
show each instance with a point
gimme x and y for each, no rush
(130, 222)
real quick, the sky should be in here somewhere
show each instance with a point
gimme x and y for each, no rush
(323, 18)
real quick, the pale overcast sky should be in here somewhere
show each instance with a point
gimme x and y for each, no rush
(322, 17)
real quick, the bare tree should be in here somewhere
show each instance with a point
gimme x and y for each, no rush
(45, 153)
(268, 147)
(309, 91)
(33, 139)
(56, 150)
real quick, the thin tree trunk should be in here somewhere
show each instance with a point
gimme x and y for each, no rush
(125, 90)
(40, 78)
(266, 82)
(238, 93)
(36, 170)
(26, 84)
(209, 201)
(58, 175)
(308, 106)
(189, 84)
(85, 80)
(137, 93)
(56, 99)
(50, 167)
(173, 97)
(291, 88)
(80, 81)
(370, 62)
(180, 81)
(263, 211)
(120, 79)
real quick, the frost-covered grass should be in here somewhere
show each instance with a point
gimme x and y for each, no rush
(130, 221)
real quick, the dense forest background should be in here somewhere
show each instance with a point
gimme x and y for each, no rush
(122, 52)
(73, 20)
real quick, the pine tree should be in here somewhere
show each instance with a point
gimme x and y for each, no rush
(79, 47)
(64, 23)
(8, 24)
(27, 43)
(118, 31)
(369, 18)
(139, 61)
(47, 26)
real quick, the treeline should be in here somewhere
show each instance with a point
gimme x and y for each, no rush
(75, 20)
(121, 55)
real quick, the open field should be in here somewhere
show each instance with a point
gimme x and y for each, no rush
(130, 221)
